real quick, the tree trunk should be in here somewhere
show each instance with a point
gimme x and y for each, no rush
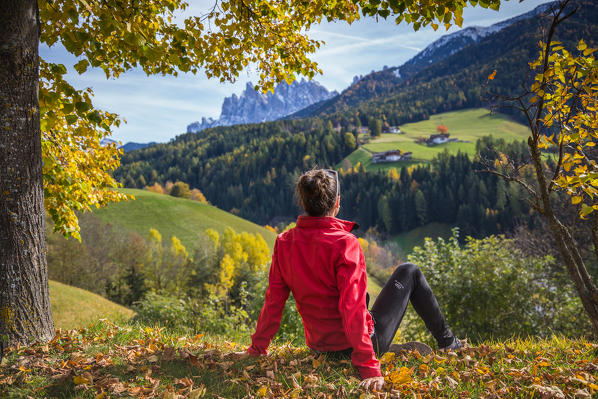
(568, 249)
(25, 314)
(585, 289)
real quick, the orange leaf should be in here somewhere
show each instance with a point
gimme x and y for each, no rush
(492, 75)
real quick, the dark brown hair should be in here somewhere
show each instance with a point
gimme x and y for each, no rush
(316, 191)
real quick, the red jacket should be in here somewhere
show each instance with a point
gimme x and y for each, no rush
(321, 262)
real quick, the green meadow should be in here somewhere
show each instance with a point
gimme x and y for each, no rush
(74, 307)
(171, 216)
(466, 125)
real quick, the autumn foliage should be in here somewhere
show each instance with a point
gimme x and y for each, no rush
(442, 129)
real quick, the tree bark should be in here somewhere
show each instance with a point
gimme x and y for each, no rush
(25, 314)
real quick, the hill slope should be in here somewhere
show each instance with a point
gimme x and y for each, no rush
(466, 125)
(180, 217)
(74, 307)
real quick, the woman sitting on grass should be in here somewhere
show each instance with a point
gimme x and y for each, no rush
(322, 264)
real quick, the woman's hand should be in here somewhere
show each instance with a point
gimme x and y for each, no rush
(372, 383)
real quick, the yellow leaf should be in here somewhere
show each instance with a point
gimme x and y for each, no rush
(317, 362)
(402, 376)
(388, 357)
(262, 392)
(576, 200)
(79, 380)
(439, 359)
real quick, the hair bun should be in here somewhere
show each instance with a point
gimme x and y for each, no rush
(316, 190)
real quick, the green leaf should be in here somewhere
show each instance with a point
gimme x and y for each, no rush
(384, 13)
(68, 108)
(71, 119)
(82, 106)
(58, 69)
(95, 117)
(81, 66)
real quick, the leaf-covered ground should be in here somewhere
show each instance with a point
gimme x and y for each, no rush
(106, 360)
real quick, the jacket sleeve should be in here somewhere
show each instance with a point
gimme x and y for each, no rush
(352, 284)
(268, 322)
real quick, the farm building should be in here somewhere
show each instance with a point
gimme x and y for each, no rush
(391, 129)
(436, 139)
(391, 156)
(363, 130)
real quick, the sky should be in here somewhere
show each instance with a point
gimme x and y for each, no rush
(158, 108)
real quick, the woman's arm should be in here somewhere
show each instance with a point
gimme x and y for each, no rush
(268, 322)
(352, 284)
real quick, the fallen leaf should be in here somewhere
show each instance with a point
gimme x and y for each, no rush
(452, 383)
(197, 393)
(262, 392)
(401, 376)
(548, 392)
(80, 380)
(581, 393)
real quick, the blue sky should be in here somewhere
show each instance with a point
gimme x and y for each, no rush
(158, 108)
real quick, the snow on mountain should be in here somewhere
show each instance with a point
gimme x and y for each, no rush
(254, 107)
(449, 44)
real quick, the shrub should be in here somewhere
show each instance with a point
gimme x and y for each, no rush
(165, 311)
(488, 289)
(180, 189)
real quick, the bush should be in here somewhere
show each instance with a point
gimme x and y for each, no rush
(165, 311)
(180, 189)
(488, 289)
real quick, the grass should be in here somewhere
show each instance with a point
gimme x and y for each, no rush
(408, 240)
(180, 217)
(373, 289)
(468, 125)
(74, 307)
(106, 360)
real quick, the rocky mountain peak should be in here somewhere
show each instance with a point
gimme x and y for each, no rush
(252, 106)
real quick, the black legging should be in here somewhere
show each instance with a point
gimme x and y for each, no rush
(407, 283)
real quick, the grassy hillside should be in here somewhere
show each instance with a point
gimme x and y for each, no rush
(467, 125)
(180, 217)
(406, 241)
(73, 307)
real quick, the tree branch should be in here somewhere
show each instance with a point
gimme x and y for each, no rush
(535, 203)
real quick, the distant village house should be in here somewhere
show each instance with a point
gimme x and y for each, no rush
(435, 139)
(391, 129)
(363, 130)
(391, 156)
